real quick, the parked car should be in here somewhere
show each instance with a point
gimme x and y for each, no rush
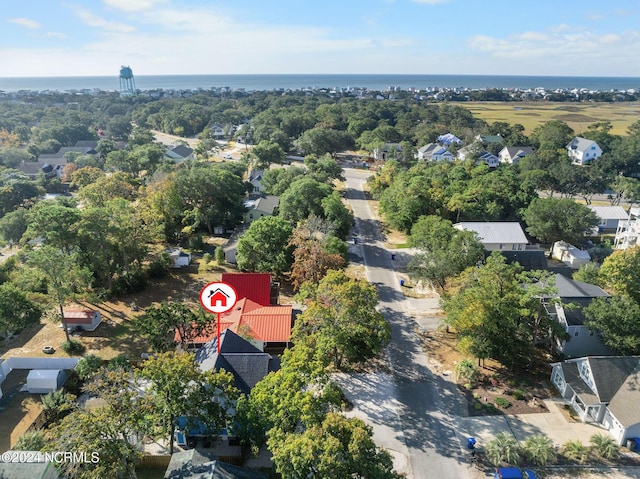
(48, 350)
(227, 156)
(513, 473)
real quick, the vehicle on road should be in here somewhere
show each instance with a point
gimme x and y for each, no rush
(513, 473)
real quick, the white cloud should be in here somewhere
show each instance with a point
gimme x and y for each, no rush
(95, 21)
(56, 35)
(134, 5)
(25, 22)
(397, 42)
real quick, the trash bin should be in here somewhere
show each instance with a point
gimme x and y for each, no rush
(471, 443)
(355, 240)
(402, 282)
(393, 257)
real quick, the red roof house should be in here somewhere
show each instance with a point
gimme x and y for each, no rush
(87, 319)
(254, 286)
(270, 325)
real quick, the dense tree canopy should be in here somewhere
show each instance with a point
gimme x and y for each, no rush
(553, 219)
(264, 247)
(617, 320)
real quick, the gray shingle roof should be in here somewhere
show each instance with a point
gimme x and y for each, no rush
(570, 288)
(194, 464)
(579, 143)
(616, 381)
(239, 357)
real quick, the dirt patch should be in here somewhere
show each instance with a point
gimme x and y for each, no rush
(497, 390)
(18, 409)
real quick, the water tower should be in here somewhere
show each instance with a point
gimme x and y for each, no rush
(127, 83)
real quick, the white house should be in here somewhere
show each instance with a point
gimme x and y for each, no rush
(513, 154)
(87, 319)
(583, 151)
(449, 138)
(497, 235)
(260, 207)
(255, 178)
(628, 232)
(602, 389)
(434, 152)
(489, 158)
(610, 216)
(569, 254)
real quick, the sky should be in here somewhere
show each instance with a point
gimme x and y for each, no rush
(170, 37)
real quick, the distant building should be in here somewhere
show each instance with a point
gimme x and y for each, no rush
(513, 154)
(582, 151)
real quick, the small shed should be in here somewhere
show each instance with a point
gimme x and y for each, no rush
(87, 319)
(569, 254)
(43, 381)
(179, 258)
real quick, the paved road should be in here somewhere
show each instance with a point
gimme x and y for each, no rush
(427, 409)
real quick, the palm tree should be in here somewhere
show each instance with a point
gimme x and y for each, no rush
(539, 449)
(576, 451)
(503, 449)
(604, 447)
(467, 370)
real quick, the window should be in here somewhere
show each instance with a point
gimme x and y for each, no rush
(501, 246)
(593, 147)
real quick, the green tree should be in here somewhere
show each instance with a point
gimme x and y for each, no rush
(444, 251)
(64, 275)
(265, 246)
(179, 388)
(617, 320)
(553, 219)
(267, 153)
(342, 320)
(16, 310)
(496, 310)
(57, 404)
(552, 135)
(93, 433)
(318, 141)
(503, 449)
(588, 273)
(621, 272)
(30, 441)
(105, 188)
(303, 199)
(88, 365)
(56, 223)
(211, 196)
(340, 448)
(162, 325)
(219, 255)
(337, 214)
(539, 449)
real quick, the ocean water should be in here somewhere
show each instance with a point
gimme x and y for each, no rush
(294, 82)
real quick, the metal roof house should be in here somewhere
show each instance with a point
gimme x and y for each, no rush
(602, 389)
(497, 235)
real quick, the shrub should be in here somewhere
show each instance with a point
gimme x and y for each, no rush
(196, 243)
(518, 394)
(539, 449)
(576, 451)
(502, 402)
(220, 256)
(119, 362)
(477, 406)
(467, 370)
(604, 447)
(30, 441)
(72, 347)
(503, 449)
(204, 263)
(512, 383)
(476, 396)
(88, 365)
(160, 267)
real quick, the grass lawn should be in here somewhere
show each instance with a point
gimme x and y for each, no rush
(577, 115)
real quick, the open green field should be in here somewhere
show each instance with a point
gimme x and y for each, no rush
(577, 115)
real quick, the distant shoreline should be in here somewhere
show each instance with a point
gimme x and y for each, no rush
(271, 82)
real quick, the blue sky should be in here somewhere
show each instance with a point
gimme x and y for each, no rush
(542, 37)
